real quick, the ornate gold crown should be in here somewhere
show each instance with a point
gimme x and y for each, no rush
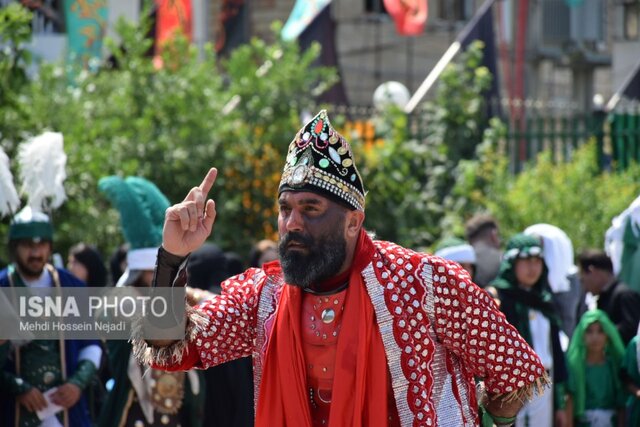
(320, 160)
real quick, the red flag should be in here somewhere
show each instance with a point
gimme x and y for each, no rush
(409, 16)
(232, 30)
(172, 15)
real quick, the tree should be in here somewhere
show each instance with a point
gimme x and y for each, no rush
(170, 125)
(411, 171)
(574, 196)
(14, 59)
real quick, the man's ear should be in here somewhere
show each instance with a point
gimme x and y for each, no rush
(354, 222)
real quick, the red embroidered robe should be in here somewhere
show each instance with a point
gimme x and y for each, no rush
(438, 328)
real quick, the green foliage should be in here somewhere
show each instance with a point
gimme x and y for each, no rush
(457, 114)
(15, 27)
(406, 177)
(410, 177)
(424, 188)
(170, 125)
(574, 196)
(476, 180)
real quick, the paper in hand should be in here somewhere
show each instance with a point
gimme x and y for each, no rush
(51, 408)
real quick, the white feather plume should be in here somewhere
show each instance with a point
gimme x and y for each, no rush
(9, 200)
(42, 171)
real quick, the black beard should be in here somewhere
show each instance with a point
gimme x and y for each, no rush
(324, 259)
(27, 271)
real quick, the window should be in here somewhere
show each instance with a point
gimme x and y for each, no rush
(631, 20)
(454, 10)
(374, 6)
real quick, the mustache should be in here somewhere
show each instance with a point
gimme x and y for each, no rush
(36, 259)
(294, 236)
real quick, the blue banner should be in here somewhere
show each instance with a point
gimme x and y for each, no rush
(303, 14)
(86, 22)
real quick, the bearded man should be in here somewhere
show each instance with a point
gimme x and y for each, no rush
(33, 368)
(344, 330)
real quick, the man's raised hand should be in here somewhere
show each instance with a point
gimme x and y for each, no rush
(188, 224)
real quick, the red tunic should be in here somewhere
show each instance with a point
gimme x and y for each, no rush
(439, 331)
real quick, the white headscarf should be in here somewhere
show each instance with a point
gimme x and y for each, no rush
(460, 253)
(558, 255)
(638, 350)
(613, 244)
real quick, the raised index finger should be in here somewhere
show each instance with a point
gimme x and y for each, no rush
(208, 181)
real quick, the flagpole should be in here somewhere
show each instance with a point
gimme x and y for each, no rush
(448, 56)
(200, 24)
(432, 77)
(619, 93)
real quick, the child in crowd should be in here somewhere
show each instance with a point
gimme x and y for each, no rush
(596, 394)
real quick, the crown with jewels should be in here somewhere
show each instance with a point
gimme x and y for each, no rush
(320, 160)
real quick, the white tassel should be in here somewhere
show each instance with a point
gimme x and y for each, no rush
(42, 162)
(9, 200)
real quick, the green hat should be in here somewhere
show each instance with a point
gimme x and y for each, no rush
(320, 161)
(523, 246)
(31, 224)
(142, 206)
(42, 164)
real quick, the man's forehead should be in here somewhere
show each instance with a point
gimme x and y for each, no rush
(302, 197)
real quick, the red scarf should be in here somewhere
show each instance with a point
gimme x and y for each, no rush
(360, 393)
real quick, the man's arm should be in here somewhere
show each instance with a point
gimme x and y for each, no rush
(499, 407)
(70, 392)
(170, 271)
(186, 226)
(490, 347)
(569, 411)
(220, 329)
(26, 395)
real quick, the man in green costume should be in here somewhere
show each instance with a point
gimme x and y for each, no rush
(139, 398)
(58, 368)
(32, 368)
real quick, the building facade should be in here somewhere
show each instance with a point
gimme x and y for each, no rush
(562, 51)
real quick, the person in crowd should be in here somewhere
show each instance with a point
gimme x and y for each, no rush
(264, 251)
(235, 263)
(482, 232)
(614, 297)
(564, 281)
(596, 393)
(35, 367)
(229, 386)
(39, 374)
(631, 377)
(85, 262)
(457, 250)
(118, 263)
(622, 245)
(344, 330)
(141, 397)
(526, 301)
(207, 268)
